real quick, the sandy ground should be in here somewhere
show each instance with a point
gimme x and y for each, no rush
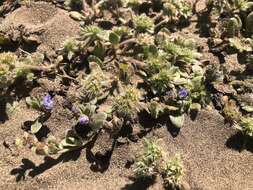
(208, 147)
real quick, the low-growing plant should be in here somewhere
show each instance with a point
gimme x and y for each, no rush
(92, 86)
(87, 117)
(70, 47)
(146, 165)
(132, 3)
(92, 33)
(163, 81)
(153, 162)
(45, 106)
(246, 126)
(126, 105)
(126, 61)
(12, 68)
(182, 50)
(177, 8)
(173, 172)
(7, 69)
(157, 62)
(143, 23)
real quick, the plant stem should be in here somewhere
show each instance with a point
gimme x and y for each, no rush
(131, 40)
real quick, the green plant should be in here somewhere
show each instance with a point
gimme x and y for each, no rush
(8, 62)
(156, 62)
(11, 108)
(236, 12)
(155, 109)
(182, 50)
(34, 103)
(70, 47)
(92, 86)
(126, 104)
(143, 23)
(173, 172)
(163, 81)
(73, 139)
(177, 8)
(246, 126)
(92, 33)
(146, 165)
(12, 68)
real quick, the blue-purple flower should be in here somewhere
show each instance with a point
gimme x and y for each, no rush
(84, 120)
(48, 102)
(183, 93)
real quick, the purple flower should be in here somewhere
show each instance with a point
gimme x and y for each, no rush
(84, 120)
(183, 93)
(48, 102)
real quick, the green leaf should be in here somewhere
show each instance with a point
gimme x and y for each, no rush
(99, 51)
(169, 108)
(196, 69)
(249, 22)
(11, 108)
(195, 106)
(36, 127)
(180, 81)
(114, 38)
(33, 103)
(248, 108)
(76, 16)
(177, 121)
(155, 109)
(70, 55)
(97, 121)
(95, 59)
(88, 109)
(71, 142)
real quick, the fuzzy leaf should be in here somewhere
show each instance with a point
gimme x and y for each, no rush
(97, 121)
(195, 106)
(155, 109)
(248, 108)
(70, 55)
(95, 59)
(241, 44)
(36, 127)
(33, 103)
(71, 142)
(114, 38)
(180, 81)
(249, 23)
(177, 121)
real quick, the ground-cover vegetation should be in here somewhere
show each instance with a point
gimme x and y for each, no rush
(126, 64)
(232, 34)
(154, 162)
